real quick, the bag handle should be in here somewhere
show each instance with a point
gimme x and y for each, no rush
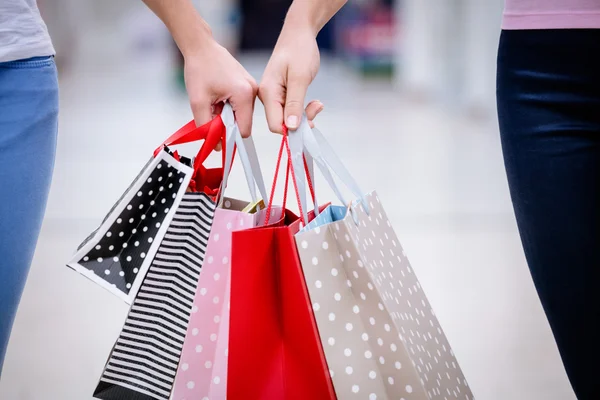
(248, 156)
(295, 149)
(328, 161)
(285, 185)
(289, 169)
(255, 165)
(212, 133)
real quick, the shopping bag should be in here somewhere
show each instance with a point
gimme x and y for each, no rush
(144, 360)
(118, 254)
(381, 337)
(202, 371)
(274, 346)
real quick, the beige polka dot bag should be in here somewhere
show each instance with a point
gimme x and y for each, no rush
(380, 335)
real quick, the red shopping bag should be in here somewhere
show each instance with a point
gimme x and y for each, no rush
(274, 347)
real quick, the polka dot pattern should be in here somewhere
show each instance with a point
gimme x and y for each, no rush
(395, 348)
(206, 345)
(121, 249)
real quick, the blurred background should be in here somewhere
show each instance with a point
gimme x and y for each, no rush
(409, 94)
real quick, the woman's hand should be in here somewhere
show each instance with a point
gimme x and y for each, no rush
(294, 63)
(212, 76)
(292, 67)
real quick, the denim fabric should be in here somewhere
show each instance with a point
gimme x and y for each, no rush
(28, 130)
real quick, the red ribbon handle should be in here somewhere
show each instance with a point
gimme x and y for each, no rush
(285, 145)
(212, 133)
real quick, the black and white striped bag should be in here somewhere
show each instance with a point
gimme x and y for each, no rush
(145, 357)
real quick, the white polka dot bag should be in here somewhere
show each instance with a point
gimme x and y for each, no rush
(380, 336)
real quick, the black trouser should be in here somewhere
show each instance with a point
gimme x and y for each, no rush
(549, 109)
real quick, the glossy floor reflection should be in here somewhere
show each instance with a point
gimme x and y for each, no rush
(440, 178)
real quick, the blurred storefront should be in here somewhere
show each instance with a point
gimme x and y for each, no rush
(365, 36)
(447, 51)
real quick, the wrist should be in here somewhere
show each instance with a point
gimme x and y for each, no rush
(312, 14)
(300, 17)
(195, 41)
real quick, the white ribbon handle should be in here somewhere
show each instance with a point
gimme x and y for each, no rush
(249, 159)
(327, 161)
(296, 143)
(311, 174)
(255, 166)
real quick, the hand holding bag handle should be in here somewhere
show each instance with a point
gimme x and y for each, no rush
(222, 128)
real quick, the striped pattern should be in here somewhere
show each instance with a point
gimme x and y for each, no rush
(146, 355)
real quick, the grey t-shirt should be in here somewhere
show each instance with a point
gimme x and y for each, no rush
(23, 33)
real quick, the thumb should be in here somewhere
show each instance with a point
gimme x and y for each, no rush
(294, 101)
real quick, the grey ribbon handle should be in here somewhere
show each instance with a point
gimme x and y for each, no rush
(326, 159)
(233, 137)
(255, 165)
(248, 170)
(312, 148)
(296, 144)
(311, 173)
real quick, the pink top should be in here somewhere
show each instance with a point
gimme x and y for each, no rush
(551, 14)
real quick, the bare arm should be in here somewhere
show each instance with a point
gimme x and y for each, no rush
(313, 13)
(295, 63)
(189, 30)
(212, 75)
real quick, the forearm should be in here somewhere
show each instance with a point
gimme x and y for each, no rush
(189, 30)
(312, 13)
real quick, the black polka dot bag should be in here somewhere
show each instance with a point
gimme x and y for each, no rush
(119, 252)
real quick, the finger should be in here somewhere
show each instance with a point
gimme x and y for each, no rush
(294, 101)
(217, 109)
(202, 111)
(270, 94)
(242, 102)
(313, 109)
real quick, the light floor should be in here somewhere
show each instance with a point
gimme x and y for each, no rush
(440, 178)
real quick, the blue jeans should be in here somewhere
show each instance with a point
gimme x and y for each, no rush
(548, 91)
(28, 130)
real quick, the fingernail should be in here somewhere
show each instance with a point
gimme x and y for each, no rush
(292, 122)
(321, 107)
